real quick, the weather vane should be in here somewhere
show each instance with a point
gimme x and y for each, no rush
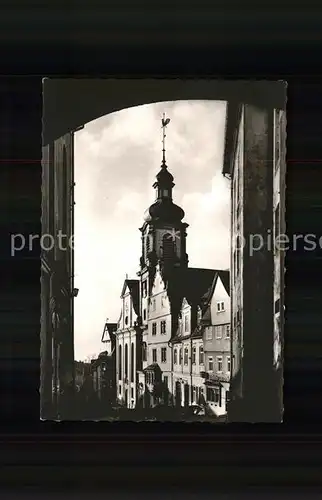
(165, 122)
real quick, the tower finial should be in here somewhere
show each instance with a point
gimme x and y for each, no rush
(165, 122)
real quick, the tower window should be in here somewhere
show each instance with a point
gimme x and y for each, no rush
(147, 245)
(168, 246)
(165, 193)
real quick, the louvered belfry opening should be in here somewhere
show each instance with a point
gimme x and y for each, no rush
(168, 247)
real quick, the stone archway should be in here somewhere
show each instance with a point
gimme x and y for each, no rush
(70, 103)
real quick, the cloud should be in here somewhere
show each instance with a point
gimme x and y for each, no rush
(116, 160)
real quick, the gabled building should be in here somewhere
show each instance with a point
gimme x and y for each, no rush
(188, 359)
(158, 370)
(103, 368)
(216, 342)
(103, 374)
(128, 344)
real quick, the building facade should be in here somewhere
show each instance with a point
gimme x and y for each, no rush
(57, 278)
(248, 162)
(103, 372)
(216, 341)
(188, 351)
(128, 345)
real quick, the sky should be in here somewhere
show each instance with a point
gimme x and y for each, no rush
(116, 160)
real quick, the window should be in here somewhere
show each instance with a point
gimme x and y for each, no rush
(144, 352)
(213, 394)
(219, 364)
(144, 314)
(201, 355)
(163, 327)
(219, 332)
(168, 247)
(120, 362)
(126, 320)
(186, 354)
(132, 361)
(210, 364)
(144, 288)
(220, 306)
(194, 350)
(227, 331)
(120, 389)
(227, 397)
(154, 355)
(180, 356)
(186, 323)
(165, 192)
(165, 380)
(209, 333)
(163, 354)
(175, 356)
(154, 328)
(228, 364)
(126, 361)
(147, 245)
(132, 393)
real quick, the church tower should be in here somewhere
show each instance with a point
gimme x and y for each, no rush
(163, 234)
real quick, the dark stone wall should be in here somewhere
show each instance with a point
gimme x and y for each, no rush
(259, 384)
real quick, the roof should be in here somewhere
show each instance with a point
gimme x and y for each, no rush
(225, 278)
(109, 328)
(134, 288)
(196, 285)
(154, 367)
